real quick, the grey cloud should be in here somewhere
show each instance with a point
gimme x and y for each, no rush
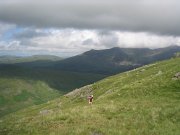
(89, 42)
(29, 33)
(27, 42)
(105, 32)
(108, 38)
(26, 35)
(156, 16)
(5, 27)
(105, 38)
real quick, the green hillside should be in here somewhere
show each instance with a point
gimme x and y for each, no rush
(17, 93)
(61, 80)
(29, 82)
(21, 87)
(145, 101)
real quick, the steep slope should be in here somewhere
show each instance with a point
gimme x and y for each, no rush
(114, 60)
(16, 93)
(139, 102)
(96, 61)
(56, 79)
(21, 87)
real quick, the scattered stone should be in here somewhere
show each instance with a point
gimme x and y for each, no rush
(142, 70)
(109, 91)
(59, 105)
(176, 76)
(96, 133)
(81, 92)
(45, 112)
(159, 73)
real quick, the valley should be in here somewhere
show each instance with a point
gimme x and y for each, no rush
(141, 101)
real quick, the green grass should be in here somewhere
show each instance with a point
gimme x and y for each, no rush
(21, 87)
(145, 101)
(2, 100)
(16, 94)
(61, 80)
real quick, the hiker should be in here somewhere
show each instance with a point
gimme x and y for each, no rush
(90, 98)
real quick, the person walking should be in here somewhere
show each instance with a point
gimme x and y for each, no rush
(90, 98)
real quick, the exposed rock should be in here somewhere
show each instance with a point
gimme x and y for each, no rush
(159, 72)
(45, 112)
(176, 76)
(96, 133)
(82, 92)
(142, 70)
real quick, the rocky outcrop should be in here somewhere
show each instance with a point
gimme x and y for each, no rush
(45, 112)
(83, 92)
(176, 76)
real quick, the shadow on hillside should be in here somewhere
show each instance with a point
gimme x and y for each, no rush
(61, 80)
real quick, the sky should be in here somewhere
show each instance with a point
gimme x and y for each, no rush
(70, 27)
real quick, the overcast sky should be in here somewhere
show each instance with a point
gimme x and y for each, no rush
(70, 27)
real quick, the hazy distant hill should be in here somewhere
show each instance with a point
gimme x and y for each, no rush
(7, 59)
(114, 60)
(106, 62)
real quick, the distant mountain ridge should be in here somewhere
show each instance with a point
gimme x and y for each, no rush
(114, 60)
(7, 59)
(34, 80)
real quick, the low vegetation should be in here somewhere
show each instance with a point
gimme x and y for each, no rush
(144, 101)
(22, 87)
(29, 82)
(19, 93)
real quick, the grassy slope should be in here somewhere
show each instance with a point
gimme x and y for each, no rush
(22, 87)
(145, 101)
(18, 93)
(60, 80)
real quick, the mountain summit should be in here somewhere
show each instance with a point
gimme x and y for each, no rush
(114, 60)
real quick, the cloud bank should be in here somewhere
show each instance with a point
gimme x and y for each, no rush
(70, 27)
(69, 42)
(156, 16)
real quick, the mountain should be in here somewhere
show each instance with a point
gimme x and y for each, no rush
(24, 81)
(60, 80)
(114, 60)
(105, 62)
(21, 87)
(141, 101)
(38, 67)
(66, 74)
(7, 59)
